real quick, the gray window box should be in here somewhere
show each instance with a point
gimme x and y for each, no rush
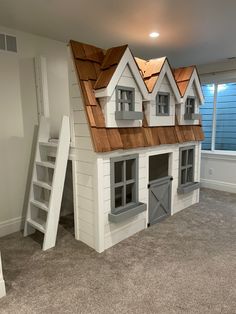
(184, 189)
(192, 116)
(129, 115)
(126, 213)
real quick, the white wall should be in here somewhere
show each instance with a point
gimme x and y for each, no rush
(18, 116)
(218, 171)
(218, 168)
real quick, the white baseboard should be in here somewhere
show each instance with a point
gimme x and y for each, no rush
(2, 282)
(11, 226)
(218, 185)
(2, 288)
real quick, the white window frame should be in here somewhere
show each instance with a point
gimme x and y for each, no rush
(217, 82)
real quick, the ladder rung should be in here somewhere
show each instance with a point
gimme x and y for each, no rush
(38, 224)
(42, 185)
(40, 204)
(48, 144)
(47, 164)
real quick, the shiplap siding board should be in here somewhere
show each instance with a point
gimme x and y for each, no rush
(85, 165)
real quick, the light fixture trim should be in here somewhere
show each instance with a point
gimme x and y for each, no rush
(154, 34)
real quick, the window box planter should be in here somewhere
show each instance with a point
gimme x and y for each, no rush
(192, 116)
(188, 188)
(128, 115)
(125, 214)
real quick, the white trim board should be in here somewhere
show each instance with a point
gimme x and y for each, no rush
(11, 226)
(218, 185)
(2, 282)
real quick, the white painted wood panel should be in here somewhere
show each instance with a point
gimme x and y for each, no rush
(85, 166)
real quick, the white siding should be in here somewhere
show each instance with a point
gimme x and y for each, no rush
(181, 108)
(114, 233)
(109, 104)
(150, 107)
(84, 166)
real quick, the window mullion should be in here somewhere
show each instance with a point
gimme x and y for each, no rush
(124, 188)
(213, 136)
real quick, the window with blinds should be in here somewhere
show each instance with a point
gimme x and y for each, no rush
(219, 116)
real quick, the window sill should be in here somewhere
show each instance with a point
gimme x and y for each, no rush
(219, 153)
(128, 115)
(192, 116)
(127, 213)
(188, 188)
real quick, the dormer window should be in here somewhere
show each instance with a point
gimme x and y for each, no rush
(190, 109)
(190, 105)
(125, 104)
(163, 104)
(125, 99)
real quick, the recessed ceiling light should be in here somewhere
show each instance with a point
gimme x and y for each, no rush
(154, 35)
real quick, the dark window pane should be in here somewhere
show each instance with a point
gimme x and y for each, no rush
(2, 42)
(129, 193)
(183, 176)
(162, 104)
(158, 166)
(190, 174)
(190, 105)
(184, 158)
(118, 196)
(11, 43)
(190, 157)
(130, 164)
(119, 171)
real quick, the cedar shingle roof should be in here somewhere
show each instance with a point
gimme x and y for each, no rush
(182, 78)
(95, 68)
(150, 70)
(108, 66)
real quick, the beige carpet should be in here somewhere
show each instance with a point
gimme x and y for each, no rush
(185, 264)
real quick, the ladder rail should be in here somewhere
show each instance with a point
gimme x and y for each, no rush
(42, 136)
(53, 189)
(57, 184)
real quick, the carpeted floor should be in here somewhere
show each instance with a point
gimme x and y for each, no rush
(185, 264)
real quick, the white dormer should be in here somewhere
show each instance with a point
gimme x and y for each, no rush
(163, 92)
(188, 111)
(121, 100)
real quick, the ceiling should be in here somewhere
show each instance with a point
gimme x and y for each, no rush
(191, 31)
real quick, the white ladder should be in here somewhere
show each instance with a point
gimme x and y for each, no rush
(48, 182)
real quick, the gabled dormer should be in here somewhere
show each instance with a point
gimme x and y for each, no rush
(163, 91)
(187, 111)
(120, 89)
